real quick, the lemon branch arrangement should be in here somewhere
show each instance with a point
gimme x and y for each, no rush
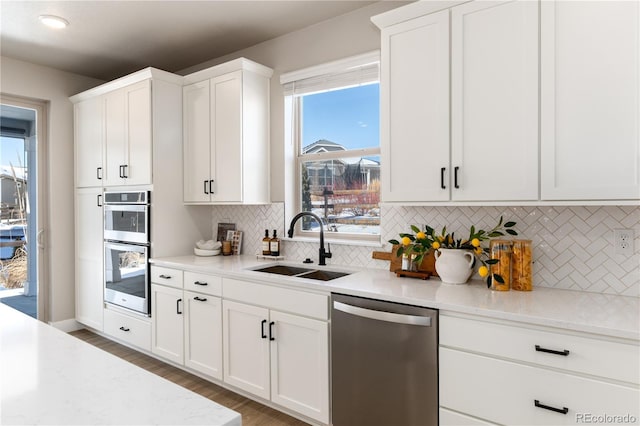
(420, 242)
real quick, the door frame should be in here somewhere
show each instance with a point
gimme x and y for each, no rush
(42, 194)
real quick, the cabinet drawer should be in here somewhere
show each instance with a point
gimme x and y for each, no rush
(203, 283)
(614, 360)
(293, 301)
(505, 392)
(451, 418)
(166, 276)
(134, 331)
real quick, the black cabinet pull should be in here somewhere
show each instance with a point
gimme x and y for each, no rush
(205, 187)
(551, 351)
(166, 277)
(99, 173)
(200, 283)
(123, 328)
(99, 200)
(120, 172)
(442, 169)
(211, 186)
(262, 333)
(563, 410)
(455, 177)
(124, 170)
(178, 311)
(271, 331)
(199, 299)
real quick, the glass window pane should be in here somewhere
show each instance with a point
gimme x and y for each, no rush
(341, 119)
(344, 192)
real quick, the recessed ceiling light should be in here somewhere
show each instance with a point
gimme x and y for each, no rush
(53, 21)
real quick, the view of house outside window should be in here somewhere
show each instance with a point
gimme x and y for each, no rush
(339, 159)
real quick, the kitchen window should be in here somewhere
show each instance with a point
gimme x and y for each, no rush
(333, 147)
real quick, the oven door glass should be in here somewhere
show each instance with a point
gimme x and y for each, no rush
(126, 223)
(127, 276)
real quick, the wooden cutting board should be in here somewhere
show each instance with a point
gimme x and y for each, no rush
(395, 262)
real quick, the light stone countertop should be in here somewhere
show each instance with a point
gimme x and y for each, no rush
(604, 314)
(50, 377)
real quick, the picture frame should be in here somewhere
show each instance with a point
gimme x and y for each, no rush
(223, 229)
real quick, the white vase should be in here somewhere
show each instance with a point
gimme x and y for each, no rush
(454, 266)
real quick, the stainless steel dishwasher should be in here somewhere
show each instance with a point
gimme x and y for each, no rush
(384, 363)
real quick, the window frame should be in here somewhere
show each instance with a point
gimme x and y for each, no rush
(294, 157)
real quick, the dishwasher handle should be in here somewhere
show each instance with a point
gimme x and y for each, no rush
(383, 316)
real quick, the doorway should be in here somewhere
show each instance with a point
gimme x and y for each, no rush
(21, 124)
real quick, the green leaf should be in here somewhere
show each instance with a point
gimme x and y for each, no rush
(492, 261)
(498, 278)
(444, 231)
(499, 223)
(511, 232)
(472, 231)
(400, 251)
(489, 281)
(415, 229)
(509, 224)
(429, 230)
(394, 242)
(495, 234)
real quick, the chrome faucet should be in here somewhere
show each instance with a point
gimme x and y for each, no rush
(323, 254)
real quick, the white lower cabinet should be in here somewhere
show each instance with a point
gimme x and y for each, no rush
(89, 286)
(276, 355)
(203, 333)
(492, 371)
(187, 325)
(131, 330)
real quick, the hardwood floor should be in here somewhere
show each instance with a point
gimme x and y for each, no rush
(253, 413)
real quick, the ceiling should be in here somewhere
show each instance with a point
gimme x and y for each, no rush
(109, 39)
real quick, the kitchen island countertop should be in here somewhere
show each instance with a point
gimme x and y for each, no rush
(603, 314)
(49, 377)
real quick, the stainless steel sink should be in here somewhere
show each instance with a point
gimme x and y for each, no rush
(323, 275)
(295, 271)
(283, 270)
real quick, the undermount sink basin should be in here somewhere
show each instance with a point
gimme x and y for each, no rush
(323, 275)
(295, 271)
(283, 270)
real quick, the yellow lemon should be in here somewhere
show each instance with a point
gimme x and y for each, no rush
(483, 271)
(406, 241)
(435, 245)
(475, 242)
(478, 250)
(421, 235)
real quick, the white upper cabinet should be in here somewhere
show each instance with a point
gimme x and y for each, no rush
(127, 145)
(590, 64)
(197, 153)
(415, 108)
(494, 101)
(126, 128)
(488, 97)
(226, 134)
(89, 137)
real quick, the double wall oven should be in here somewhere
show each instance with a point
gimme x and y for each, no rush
(126, 250)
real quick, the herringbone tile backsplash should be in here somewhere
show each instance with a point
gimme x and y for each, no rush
(573, 246)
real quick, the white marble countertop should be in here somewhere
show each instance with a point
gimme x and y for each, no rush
(49, 377)
(604, 314)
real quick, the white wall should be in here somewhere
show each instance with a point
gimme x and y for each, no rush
(336, 38)
(28, 80)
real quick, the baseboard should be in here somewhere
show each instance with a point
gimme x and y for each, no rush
(67, 325)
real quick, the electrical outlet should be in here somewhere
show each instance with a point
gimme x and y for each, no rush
(623, 241)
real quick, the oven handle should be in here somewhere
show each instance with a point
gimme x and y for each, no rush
(383, 316)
